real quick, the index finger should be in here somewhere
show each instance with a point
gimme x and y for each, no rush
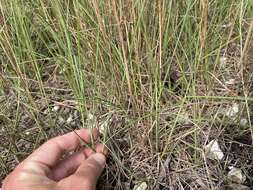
(51, 151)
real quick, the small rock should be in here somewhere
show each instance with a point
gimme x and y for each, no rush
(56, 108)
(141, 186)
(243, 122)
(236, 175)
(70, 119)
(230, 82)
(233, 111)
(226, 25)
(27, 133)
(213, 151)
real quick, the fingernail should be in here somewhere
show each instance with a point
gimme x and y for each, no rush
(99, 158)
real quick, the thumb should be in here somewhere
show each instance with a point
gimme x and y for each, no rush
(87, 174)
(92, 167)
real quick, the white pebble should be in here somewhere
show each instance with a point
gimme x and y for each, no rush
(27, 133)
(56, 108)
(236, 175)
(233, 110)
(243, 122)
(141, 186)
(230, 82)
(213, 151)
(226, 25)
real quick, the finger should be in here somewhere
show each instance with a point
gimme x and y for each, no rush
(87, 174)
(51, 151)
(92, 167)
(100, 148)
(69, 165)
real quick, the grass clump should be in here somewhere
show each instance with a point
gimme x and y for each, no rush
(166, 72)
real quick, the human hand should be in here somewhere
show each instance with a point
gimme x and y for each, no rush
(45, 170)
